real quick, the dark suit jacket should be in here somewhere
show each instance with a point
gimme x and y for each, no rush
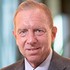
(57, 63)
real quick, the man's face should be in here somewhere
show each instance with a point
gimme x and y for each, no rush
(33, 35)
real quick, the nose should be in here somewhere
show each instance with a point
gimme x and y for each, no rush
(31, 39)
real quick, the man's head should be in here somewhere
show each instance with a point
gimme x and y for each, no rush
(34, 31)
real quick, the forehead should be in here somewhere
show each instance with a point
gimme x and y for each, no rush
(31, 13)
(31, 16)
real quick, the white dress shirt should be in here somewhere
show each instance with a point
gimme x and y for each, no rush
(43, 66)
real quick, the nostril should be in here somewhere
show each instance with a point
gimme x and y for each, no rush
(32, 40)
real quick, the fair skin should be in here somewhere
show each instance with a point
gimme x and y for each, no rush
(33, 35)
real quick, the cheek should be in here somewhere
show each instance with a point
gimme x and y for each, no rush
(45, 46)
(45, 41)
(20, 43)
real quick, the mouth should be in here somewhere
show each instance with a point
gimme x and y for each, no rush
(32, 49)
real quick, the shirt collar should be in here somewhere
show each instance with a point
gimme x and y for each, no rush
(43, 66)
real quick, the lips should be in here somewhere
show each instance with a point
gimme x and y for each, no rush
(33, 51)
(33, 48)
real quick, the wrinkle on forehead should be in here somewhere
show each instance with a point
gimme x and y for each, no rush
(32, 15)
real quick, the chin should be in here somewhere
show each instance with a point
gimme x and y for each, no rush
(34, 58)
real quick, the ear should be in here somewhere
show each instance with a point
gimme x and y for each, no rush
(54, 31)
(14, 33)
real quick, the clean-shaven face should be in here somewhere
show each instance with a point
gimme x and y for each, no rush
(33, 35)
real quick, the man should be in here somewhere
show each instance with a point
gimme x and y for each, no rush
(34, 33)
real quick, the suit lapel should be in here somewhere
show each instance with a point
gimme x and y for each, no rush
(56, 62)
(21, 65)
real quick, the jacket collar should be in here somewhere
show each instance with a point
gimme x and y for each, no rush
(56, 62)
(21, 65)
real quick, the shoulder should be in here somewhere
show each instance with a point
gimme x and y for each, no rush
(60, 62)
(59, 58)
(13, 66)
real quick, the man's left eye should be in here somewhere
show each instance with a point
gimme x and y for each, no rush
(39, 32)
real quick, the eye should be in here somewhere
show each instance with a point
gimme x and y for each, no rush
(23, 32)
(39, 32)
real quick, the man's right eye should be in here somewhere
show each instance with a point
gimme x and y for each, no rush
(23, 32)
